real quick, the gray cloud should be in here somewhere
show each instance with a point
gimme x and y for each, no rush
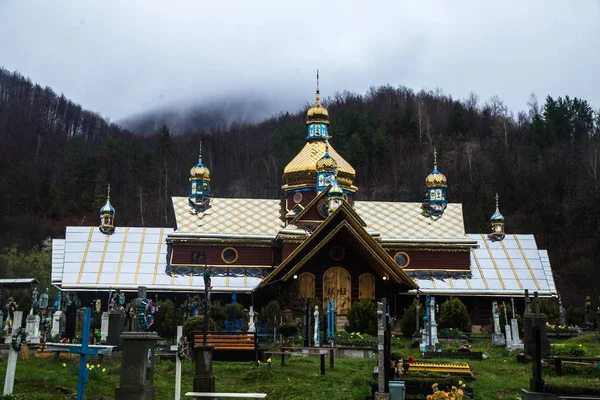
(121, 57)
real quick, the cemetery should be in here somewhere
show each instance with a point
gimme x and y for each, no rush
(248, 359)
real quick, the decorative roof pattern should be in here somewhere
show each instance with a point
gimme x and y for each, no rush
(502, 268)
(405, 220)
(131, 257)
(230, 217)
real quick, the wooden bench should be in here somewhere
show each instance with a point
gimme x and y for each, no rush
(199, 395)
(230, 346)
(585, 361)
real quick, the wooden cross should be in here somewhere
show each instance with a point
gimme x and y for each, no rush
(11, 367)
(83, 350)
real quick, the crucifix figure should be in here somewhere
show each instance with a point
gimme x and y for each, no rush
(84, 351)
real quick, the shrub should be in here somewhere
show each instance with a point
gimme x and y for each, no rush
(355, 339)
(363, 317)
(408, 323)
(196, 324)
(454, 314)
(586, 338)
(288, 330)
(234, 311)
(163, 323)
(217, 314)
(568, 349)
(271, 314)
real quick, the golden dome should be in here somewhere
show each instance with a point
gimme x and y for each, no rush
(317, 113)
(302, 170)
(199, 171)
(436, 179)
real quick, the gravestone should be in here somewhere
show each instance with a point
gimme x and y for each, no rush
(562, 313)
(251, 323)
(381, 365)
(116, 326)
(84, 351)
(425, 331)
(514, 325)
(58, 323)
(497, 338)
(71, 320)
(1, 319)
(137, 367)
(11, 366)
(32, 328)
(104, 327)
(531, 320)
(433, 333)
(507, 328)
(317, 330)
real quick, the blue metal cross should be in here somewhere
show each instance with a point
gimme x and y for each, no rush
(83, 350)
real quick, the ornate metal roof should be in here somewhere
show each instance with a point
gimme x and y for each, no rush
(506, 267)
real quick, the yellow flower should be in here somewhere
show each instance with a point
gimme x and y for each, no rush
(268, 360)
(504, 360)
(87, 366)
(91, 367)
(64, 365)
(98, 366)
(103, 369)
(259, 361)
(460, 382)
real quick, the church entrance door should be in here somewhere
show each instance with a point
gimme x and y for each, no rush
(336, 285)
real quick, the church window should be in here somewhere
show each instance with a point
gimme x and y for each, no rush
(229, 255)
(337, 253)
(366, 287)
(306, 285)
(297, 197)
(197, 257)
(402, 259)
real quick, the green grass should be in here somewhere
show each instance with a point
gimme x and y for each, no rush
(43, 379)
(501, 377)
(498, 377)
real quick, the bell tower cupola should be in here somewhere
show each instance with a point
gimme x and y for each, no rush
(497, 224)
(107, 216)
(199, 197)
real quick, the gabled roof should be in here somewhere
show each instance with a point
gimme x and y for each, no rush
(342, 219)
(501, 268)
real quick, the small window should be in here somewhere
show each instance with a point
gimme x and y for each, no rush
(337, 253)
(402, 259)
(297, 197)
(229, 255)
(197, 257)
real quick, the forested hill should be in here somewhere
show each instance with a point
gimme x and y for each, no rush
(57, 158)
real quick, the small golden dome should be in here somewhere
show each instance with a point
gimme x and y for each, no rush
(199, 171)
(317, 113)
(302, 170)
(326, 163)
(436, 179)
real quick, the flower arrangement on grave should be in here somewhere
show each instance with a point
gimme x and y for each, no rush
(145, 314)
(563, 328)
(97, 336)
(453, 394)
(18, 339)
(183, 348)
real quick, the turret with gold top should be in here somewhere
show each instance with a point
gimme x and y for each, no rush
(107, 216)
(326, 169)
(301, 173)
(335, 196)
(435, 200)
(497, 223)
(199, 197)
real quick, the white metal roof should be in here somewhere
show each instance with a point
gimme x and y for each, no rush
(18, 280)
(133, 257)
(502, 268)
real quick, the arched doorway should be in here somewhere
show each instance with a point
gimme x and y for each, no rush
(336, 285)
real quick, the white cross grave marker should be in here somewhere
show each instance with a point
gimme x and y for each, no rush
(11, 367)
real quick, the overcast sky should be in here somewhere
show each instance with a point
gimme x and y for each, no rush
(121, 57)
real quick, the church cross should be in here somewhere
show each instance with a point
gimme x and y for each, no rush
(84, 351)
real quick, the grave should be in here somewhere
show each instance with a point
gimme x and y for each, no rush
(429, 335)
(497, 337)
(514, 327)
(58, 323)
(532, 320)
(104, 327)
(139, 349)
(507, 329)
(383, 356)
(32, 328)
(11, 367)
